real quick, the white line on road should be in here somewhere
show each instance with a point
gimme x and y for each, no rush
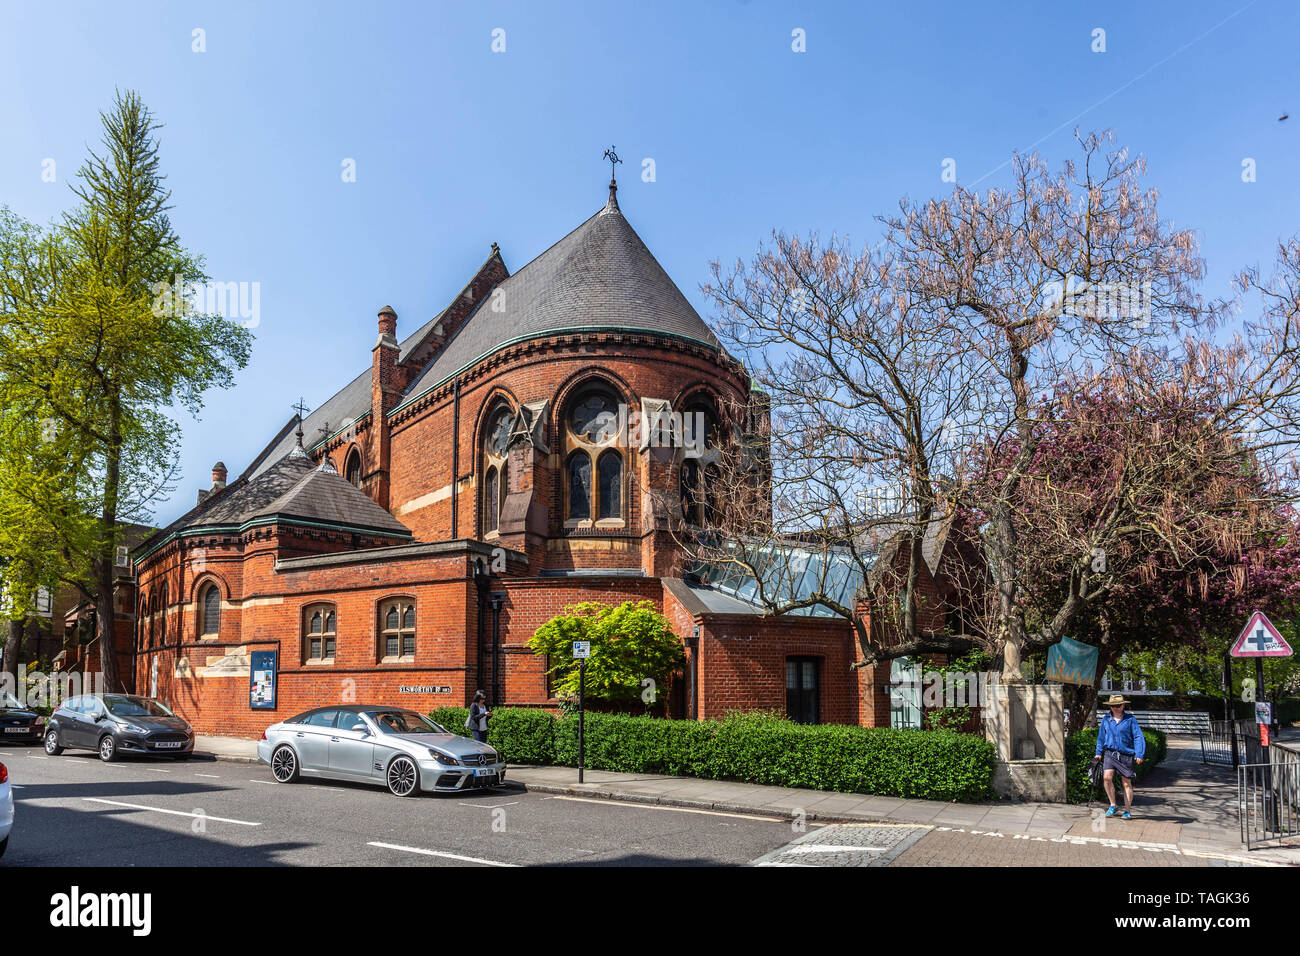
(176, 813)
(656, 806)
(268, 782)
(212, 775)
(448, 856)
(487, 806)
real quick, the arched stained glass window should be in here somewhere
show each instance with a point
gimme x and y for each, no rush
(491, 511)
(610, 469)
(579, 486)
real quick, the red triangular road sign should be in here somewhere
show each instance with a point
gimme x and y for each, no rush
(1260, 639)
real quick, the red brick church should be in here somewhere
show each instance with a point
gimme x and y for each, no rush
(402, 542)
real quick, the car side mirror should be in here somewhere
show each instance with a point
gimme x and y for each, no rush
(99, 716)
(361, 729)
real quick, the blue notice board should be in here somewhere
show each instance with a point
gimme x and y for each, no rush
(261, 680)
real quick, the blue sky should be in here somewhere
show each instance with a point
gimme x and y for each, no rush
(457, 146)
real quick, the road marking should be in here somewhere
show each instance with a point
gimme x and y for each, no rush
(267, 782)
(448, 856)
(212, 775)
(175, 813)
(157, 769)
(487, 806)
(656, 806)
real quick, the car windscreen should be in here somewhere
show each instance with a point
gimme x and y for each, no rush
(404, 722)
(135, 707)
(10, 702)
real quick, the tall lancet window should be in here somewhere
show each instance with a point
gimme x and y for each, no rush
(496, 468)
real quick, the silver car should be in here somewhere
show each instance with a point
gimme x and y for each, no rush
(399, 748)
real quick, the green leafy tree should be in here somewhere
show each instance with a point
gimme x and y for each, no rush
(631, 643)
(98, 345)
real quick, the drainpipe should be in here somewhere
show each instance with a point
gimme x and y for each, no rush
(693, 646)
(455, 451)
(496, 650)
(482, 578)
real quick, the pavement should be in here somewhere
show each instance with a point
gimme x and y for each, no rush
(1183, 810)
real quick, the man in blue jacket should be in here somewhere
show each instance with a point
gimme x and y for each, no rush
(1120, 742)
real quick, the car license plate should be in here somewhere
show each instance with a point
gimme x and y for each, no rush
(485, 772)
(17, 730)
(167, 745)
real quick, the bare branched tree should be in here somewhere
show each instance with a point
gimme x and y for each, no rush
(911, 387)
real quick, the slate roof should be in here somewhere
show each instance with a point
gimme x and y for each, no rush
(293, 488)
(599, 276)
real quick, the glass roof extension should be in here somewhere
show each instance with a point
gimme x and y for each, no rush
(791, 572)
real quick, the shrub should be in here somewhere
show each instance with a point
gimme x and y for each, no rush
(631, 643)
(753, 748)
(1080, 747)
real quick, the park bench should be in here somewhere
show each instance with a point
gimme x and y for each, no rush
(1171, 721)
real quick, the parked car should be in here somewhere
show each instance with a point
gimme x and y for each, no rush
(399, 748)
(18, 722)
(6, 808)
(116, 724)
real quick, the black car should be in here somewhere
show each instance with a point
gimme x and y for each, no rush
(18, 723)
(116, 724)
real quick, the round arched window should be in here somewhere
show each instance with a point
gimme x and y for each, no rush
(594, 417)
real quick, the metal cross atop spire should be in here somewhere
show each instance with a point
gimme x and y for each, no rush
(613, 160)
(301, 408)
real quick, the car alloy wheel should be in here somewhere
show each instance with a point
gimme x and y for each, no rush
(107, 748)
(284, 765)
(402, 777)
(52, 744)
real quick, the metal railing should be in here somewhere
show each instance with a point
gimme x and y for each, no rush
(1230, 743)
(1268, 796)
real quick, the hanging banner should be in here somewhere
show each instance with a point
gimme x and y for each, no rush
(1071, 662)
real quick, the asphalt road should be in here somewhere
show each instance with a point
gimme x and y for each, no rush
(75, 810)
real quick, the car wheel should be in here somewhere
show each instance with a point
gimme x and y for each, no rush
(403, 777)
(284, 765)
(52, 743)
(107, 748)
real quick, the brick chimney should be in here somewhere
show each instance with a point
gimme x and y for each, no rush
(218, 476)
(385, 392)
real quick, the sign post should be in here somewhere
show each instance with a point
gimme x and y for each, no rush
(1260, 639)
(582, 651)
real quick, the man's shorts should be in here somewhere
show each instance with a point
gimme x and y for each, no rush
(1122, 764)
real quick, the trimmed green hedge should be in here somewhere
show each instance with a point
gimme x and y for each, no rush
(753, 748)
(1080, 748)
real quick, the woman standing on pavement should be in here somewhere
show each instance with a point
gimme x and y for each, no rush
(477, 723)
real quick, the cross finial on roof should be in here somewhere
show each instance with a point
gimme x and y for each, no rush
(613, 182)
(301, 408)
